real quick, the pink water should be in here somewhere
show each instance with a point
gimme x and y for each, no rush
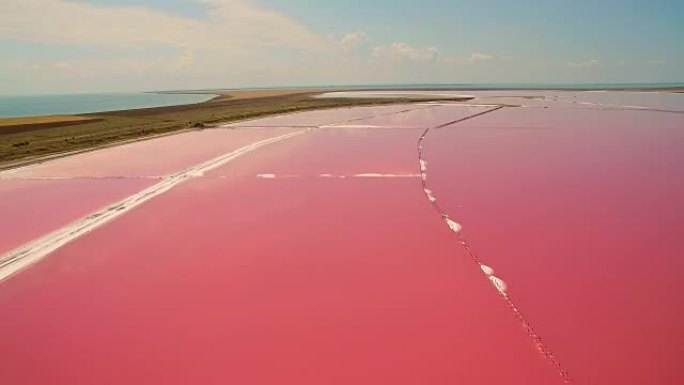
(339, 152)
(262, 282)
(32, 208)
(157, 157)
(424, 117)
(302, 279)
(580, 213)
(324, 117)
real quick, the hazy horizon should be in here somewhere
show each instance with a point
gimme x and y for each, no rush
(389, 86)
(99, 46)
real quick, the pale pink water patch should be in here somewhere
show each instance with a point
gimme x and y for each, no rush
(333, 151)
(655, 100)
(30, 209)
(154, 157)
(422, 118)
(667, 101)
(323, 117)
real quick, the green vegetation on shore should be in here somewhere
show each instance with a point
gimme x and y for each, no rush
(34, 142)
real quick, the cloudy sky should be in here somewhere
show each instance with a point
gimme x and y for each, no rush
(60, 46)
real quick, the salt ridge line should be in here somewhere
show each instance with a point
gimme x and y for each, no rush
(23, 256)
(2, 177)
(362, 126)
(456, 104)
(238, 124)
(346, 125)
(621, 107)
(362, 175)
(488, 271)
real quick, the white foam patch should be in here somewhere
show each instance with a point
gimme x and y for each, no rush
(353, 126)
(79, 177)
(196, 174)
(376, 175)
(423, 165)
(332, 176)
(636, 107)
(487, 270)
(499, 284)
(429, 195)
(455, 227)
(458, 104)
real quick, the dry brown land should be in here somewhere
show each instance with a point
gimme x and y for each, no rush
(674, 90)
(25, 124)
(43, 120)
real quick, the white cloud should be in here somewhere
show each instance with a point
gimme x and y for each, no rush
(658, 61)
(584, 64)
(235, 25)
(479, 56)
(353, 41)
(236, 43)
(401, 50)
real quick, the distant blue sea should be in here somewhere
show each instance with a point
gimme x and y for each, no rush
(15, 106)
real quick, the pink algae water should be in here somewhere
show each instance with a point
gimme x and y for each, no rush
(155, 157)
(579, 211)
(32, 208)
(261, 282)
(333, 151)
(383, 144)
(325, 117)
(429, 116)
(303, 279)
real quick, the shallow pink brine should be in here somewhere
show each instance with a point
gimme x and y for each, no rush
(319, 258)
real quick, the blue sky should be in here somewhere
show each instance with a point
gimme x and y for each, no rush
(55, 46)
